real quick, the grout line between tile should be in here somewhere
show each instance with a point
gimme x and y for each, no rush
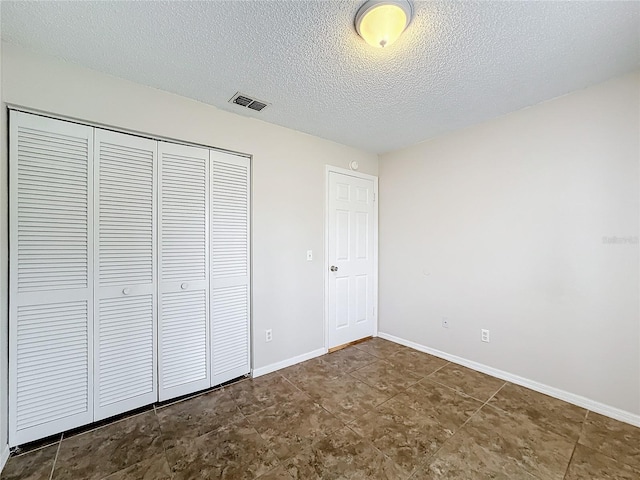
(362, 380)
(126, 416)
(280, 465)
(55, 458)
(293, 384)
(438, 369)
(583, 426)
(566, 472)
(164, 449)
(350, 425)
(481, 407)
(278, 460)
(595, 449)
(246, 416)
(373, 386)
(341, 421)
(373, 408)
(346, 423)
(300, 390)
(491, 397)
(370, 442)
(462, 393)
(191, 397)
(463, 424)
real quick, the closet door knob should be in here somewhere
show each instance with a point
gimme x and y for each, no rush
(184, 286)
(334, 268)
(126, 291)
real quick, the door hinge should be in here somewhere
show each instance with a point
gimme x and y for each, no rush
(374, 197)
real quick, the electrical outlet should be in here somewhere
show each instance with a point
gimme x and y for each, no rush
(445, 322)
(485, 335)
(309, 255)
(268, 335)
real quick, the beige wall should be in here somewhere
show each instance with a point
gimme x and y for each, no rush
(288, 182)
(500, 226)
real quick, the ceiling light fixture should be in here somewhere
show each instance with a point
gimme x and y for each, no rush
(381, 22)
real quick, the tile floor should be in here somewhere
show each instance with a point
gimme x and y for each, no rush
(376, 410)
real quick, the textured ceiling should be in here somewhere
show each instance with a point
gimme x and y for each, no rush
(457, 64)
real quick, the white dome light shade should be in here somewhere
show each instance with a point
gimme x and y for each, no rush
(381, 22)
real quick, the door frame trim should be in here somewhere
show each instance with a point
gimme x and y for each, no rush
(343, 171)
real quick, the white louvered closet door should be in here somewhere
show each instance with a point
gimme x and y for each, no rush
(184, 356)
(125, 273)
(50, 315)
(230, 266)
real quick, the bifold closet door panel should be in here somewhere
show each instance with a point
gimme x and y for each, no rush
(184, 355)
(125, 273)
(230, 266)
(50, 277)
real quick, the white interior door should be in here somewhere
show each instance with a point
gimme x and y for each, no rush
(125, 273)
(184, 353)
(51, 266)
(230, 266)
(351, 258)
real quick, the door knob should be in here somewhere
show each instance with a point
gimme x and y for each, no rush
(126, 291)
(184, 286)
(334, 268)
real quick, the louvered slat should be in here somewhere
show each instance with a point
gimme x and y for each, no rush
(183, 219)
(230, 331)
(126, 364)
(49, 364)
(184, 338)
(125, 219)
(125, 187)
(229, 248)
(229, 245)
(39, 200)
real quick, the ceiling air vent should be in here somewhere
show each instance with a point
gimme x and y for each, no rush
(256, 105)
(248, 102)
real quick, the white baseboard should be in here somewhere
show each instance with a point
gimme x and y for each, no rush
(603, 409)
(258, 372)
(4, 455)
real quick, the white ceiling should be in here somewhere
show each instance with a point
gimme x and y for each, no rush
(458, 63)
